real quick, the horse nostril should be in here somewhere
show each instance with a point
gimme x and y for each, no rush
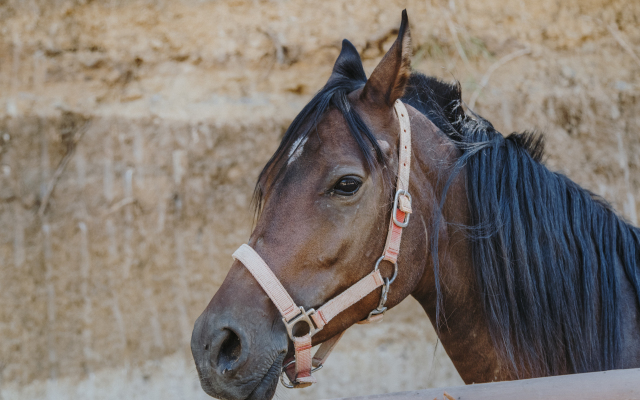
(206, 346)
(230, 351)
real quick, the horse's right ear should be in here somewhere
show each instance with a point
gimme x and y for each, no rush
(348, 65)
(387, 82)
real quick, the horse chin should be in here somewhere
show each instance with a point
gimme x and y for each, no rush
(266, 388)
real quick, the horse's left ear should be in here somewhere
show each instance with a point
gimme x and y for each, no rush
(387, 82)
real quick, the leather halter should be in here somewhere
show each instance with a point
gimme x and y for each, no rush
(299, 368)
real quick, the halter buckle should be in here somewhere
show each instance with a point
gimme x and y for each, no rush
(304, 316)
(395, 207)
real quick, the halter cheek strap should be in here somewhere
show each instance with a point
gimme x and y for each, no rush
(402, 200)
(299, 368)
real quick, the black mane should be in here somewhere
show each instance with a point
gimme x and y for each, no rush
(545, 250)
(348, 75)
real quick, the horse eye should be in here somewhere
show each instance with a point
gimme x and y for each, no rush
(347, 186)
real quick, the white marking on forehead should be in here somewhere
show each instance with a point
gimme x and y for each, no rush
(296, 149)
(384, 146)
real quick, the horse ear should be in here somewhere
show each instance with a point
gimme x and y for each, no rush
(388, 80)
(348, 65)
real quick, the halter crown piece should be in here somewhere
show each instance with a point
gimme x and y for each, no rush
(300, 367)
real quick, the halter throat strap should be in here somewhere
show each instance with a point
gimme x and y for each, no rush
(300, 368)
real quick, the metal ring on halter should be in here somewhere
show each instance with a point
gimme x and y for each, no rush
(304, 316)
(283, 372)
(395, 268)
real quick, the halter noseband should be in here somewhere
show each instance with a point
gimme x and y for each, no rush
(300, 367)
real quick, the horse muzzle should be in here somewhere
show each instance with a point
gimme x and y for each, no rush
(238, 358)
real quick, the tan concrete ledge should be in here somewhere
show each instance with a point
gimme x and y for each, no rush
(619, 384)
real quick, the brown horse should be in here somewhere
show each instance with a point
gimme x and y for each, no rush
(522, 272)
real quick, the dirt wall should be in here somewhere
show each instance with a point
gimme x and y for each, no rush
(127, 126)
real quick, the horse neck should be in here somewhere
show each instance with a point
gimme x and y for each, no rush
(572, 336)
(462, 328)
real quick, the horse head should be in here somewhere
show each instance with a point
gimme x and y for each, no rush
(325, 200)
(541, 275)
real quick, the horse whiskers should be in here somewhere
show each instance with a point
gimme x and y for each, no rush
(433, 359)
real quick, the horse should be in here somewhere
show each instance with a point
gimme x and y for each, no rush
(522, 272)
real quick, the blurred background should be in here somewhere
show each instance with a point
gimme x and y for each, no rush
(132, 133)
